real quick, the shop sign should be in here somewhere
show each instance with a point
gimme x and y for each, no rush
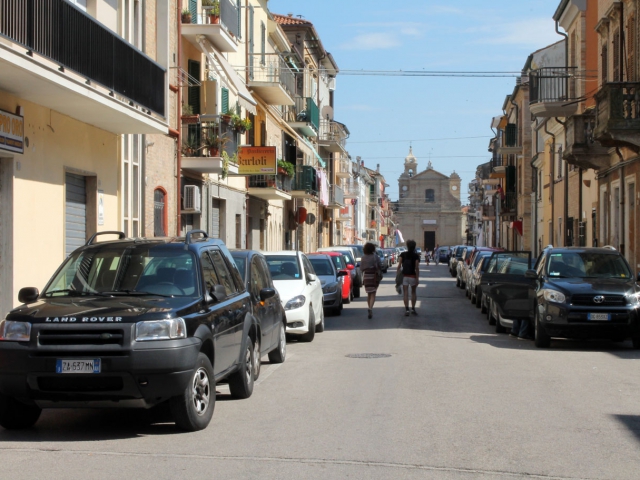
(11, 132)
(257, 161)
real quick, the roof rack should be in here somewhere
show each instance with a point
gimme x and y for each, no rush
(121, 236)
(191, 233)
(548, 246)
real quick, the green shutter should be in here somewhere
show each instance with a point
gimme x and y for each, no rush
(224, 94)
(193, 8)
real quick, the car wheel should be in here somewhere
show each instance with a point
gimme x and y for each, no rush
(478, 298)
(241, 381)
(542, 338)
(483, 305)
(280, 353)
(192, 411)
(457, 282)
(347, 300)
(635, 340)
(15, 415)
(256, 360)
(356, 290)
(320, 326)
(308, 337)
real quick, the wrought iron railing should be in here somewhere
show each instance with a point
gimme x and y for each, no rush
(228, 17)
(270, 69)
(343, 166)
(552, 84)
(336, 195)
(304, 110)
(333, 132)
(508, 203)
(306, 179)
(207, 138)
(279, 181)
(618, 101)
(71, 38)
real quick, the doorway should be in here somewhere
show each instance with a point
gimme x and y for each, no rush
(429, 241)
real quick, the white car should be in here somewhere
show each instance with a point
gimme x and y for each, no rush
(300, 292)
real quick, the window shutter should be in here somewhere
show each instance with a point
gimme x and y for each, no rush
(239, 18)
(193, 8)
(511, 135)
(616, 55)
(631, 49)
(224, 100)
(605, 64)
(194, 92)
(263, 42)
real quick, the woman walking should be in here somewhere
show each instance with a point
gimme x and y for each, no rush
(370, 265)
(410, 267)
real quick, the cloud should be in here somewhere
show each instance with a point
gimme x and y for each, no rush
(372, 41)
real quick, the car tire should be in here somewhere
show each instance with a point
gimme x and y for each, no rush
(478, 298)
(356, 290)
(542, 338)
(192, 411)
(348, 299)
(635, 340)
(320, 325)
(241, 381)
(492, 321)
(499, 327)
(256, 360)
(280, 353)
(457, 282)
(15, 415)
(308, 337)
(483, 305)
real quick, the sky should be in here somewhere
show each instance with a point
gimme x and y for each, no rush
(439, 117)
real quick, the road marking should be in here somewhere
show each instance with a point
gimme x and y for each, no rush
(272, 369)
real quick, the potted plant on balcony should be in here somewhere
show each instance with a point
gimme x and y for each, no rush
(190, 146)
(240, 125)
(213, 9)
(186, 16)
(213, 142)
(187, 115)
(226, 161)
(285, 168)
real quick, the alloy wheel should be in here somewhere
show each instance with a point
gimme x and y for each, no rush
(201, 392)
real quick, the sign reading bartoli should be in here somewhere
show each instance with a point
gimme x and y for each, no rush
(257, 161)
(11, 132)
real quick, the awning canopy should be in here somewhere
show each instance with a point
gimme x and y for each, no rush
(318, 157)
(245, 98)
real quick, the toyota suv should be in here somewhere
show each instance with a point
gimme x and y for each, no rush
(131, 323)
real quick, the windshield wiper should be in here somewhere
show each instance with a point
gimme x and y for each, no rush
(137, 293)
(75, 293)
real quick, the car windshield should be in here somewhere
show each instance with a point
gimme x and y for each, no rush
(322, 266)
(337, 262)
(137, 269)
(241, 262)
(587, 265)
(283, 267)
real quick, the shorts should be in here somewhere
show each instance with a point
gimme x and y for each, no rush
(409, 281)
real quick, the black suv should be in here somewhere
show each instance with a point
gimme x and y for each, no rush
(130, 323)
(584, 293)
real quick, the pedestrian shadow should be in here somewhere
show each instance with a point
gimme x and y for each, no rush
(631, 422)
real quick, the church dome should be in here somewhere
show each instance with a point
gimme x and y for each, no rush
(455, 175)
(410, 158)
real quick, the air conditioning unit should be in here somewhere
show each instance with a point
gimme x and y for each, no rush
(191, 200)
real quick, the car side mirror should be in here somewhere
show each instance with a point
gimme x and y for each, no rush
(28, 295)
(342, 273)
(218, 293)
(351, 267)
(531, 274)
(311, 277)
(267, 293)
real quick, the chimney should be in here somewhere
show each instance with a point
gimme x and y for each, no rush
(378, 168)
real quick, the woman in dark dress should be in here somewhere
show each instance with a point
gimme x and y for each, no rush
(370, 265)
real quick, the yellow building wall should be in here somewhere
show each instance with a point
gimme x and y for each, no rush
(56, 144)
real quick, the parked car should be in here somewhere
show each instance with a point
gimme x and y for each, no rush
(473, 262)
(331, 281)
(506, 288)
(456, 255)
(384, 260)
(359, 251)
(339, 260)
(443, 254)
(266, 307)
(131, 323)
(475, 293)
(356, 272)
(300, 292)
(582, 292)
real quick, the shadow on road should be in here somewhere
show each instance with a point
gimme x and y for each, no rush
(631, 422)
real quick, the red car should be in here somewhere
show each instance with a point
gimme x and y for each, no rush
(341, 265)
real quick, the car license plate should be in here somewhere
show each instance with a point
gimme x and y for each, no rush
(598, 316)
(78, 366)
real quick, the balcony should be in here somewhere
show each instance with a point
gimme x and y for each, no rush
(343, 168)
(304, 116)
(374, 199)
(221, 31)
(203, 144)
(488, 213)
(305, 182)
(57, 56)
(351, 190)
(511, 144)
(333, 136)
(618, 115)
(272, 79)
(270, 187)
(582, 150)
(344, 215)
(508, 204)
(336, 197)
(552, 92)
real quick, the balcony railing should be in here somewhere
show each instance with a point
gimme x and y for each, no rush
(199, 139)
(336, 195)
(69, 37)
(304, 110)
(350, 190)
(264, 68)
(618, 114)
(279, 181)
(552, 84)
(508, 203)
(228, 17)
(374, 199)
(306, 179)
(333, 132)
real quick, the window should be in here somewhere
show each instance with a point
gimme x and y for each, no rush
(258, 281)
(131, 184)
(308, 268)
(429, 195)
(159, 213)
(605, 64)
(631, 46)
(263, 43)
(223, 272)
(616, 55)
(224, 100)
(208, 272)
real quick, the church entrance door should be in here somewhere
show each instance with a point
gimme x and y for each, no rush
(429, 241)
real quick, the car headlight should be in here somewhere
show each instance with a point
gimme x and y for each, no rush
(168, 329)
(295, 302)
(15, 331)
(633, 298)
(330, 288)
(553, 296)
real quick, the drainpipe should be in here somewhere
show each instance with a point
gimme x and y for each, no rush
(247, 232)
(551, 175)
(565, 212)
(179, 115)
(566, 55)
(580, 207)
(621, 215)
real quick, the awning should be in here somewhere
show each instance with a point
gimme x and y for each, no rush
(244, 97)
(318, 157)
(517, 225)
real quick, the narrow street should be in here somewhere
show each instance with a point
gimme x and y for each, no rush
(451, 400)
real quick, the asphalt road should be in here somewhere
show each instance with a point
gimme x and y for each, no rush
(453, 400)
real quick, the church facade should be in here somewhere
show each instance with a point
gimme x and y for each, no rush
(429, 209)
